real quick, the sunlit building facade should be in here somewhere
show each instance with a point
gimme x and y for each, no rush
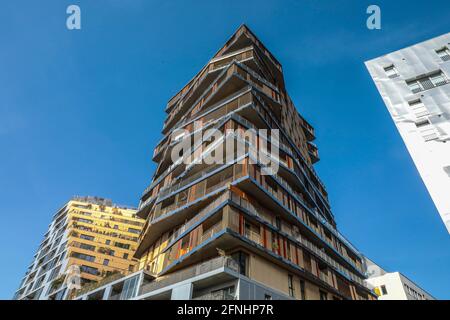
(90, 235)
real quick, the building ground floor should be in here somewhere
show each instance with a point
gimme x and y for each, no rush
(220, 278)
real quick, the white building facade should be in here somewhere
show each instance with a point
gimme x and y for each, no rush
(393, 285)
(415, 85)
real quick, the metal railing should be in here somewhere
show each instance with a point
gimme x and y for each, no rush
(308, 244)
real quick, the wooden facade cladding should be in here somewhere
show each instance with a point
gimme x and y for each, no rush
(282, 221)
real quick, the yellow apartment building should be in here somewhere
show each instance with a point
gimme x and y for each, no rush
(91, 237)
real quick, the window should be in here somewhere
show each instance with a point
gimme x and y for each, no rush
(323, 271)
(228, 292)
(247, 229)
(302, 290)
(291, 285)
(125, 255)
(86, 237)
(267, 297)
(107, 241)
(391, 71)
(323, 295)
(106, 262)
(426, 82)
(444, 53)
(383, 290)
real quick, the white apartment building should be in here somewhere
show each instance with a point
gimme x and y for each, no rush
(414, 84)
(393, 285)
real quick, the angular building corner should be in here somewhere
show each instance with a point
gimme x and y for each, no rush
(228, 230)
(415, 86)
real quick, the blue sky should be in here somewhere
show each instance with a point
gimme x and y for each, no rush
(81, 111)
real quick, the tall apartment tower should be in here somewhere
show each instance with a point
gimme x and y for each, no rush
(414, 84)
(232, 229)
(90, 233)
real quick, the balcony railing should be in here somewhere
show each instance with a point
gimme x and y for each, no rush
(306, 243)
(209, 233)
(205, 211)
(212, 66)
(178, 205)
